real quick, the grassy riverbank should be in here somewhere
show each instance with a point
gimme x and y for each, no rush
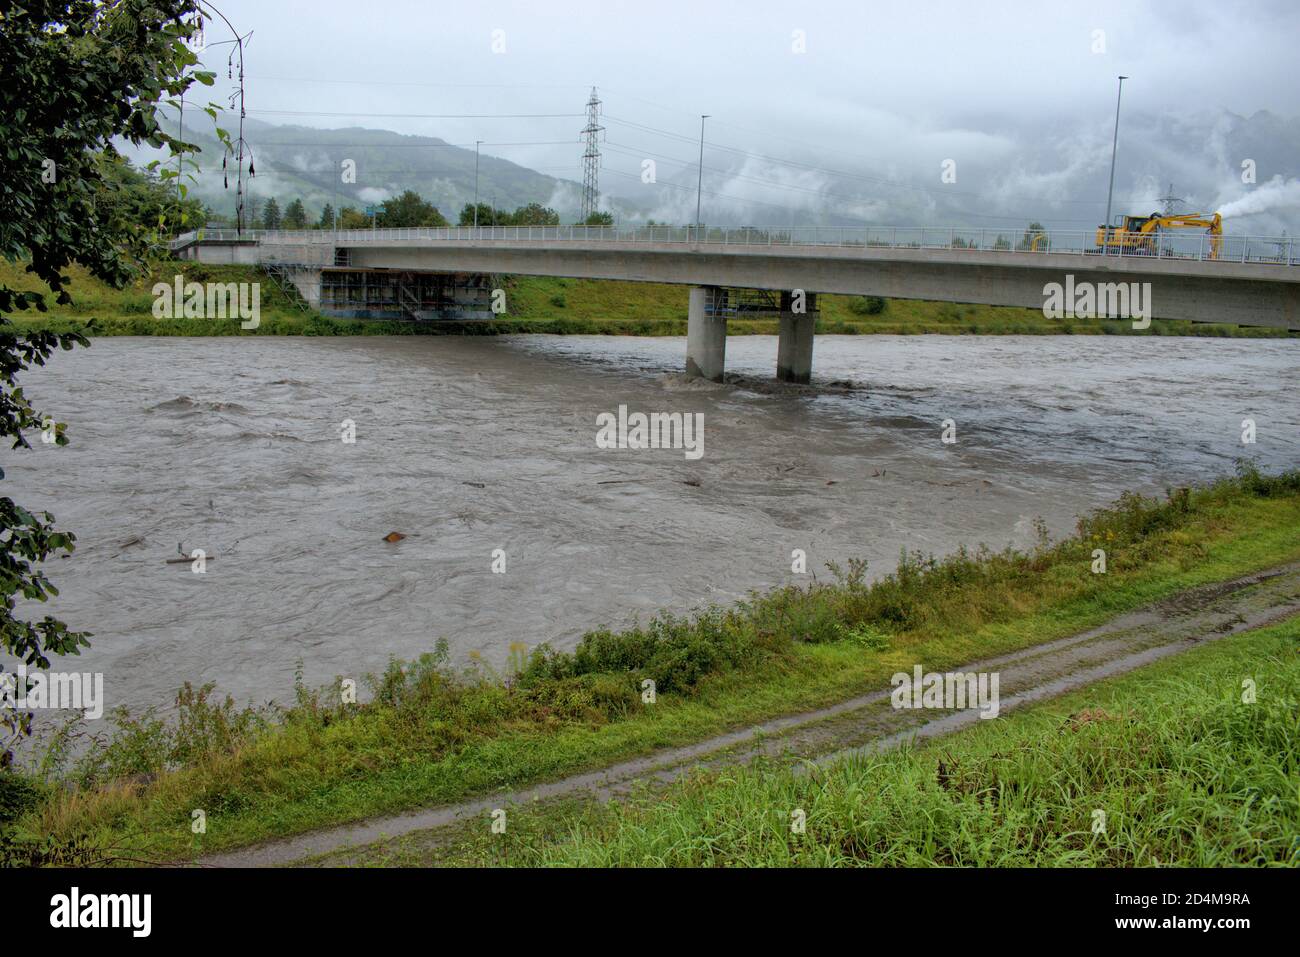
(1165, 766)
(431, 736)
(555, 306)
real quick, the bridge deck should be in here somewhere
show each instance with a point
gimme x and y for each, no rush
(1242, 280)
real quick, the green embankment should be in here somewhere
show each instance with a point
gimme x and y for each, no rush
(1169, 765)
(545, 305)
(432, 736)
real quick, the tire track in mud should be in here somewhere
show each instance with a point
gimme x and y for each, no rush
(867, 723)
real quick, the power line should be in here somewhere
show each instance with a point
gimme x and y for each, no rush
(425, 116)
(271, 144)
(483, 86)
(275, 167)
(767, 134)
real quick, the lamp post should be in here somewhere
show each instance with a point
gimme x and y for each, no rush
(699, 183)
(477, 144)
(1113, 148)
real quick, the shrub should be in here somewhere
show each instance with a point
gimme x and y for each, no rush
(866, 637)
(18, 793)
(867, 305)
(590, 697)
(675, 652)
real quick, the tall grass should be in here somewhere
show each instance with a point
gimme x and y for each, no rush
(1168, 766)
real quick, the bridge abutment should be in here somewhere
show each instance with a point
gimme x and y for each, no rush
(307, 282)
(794, 346)
(706, 333)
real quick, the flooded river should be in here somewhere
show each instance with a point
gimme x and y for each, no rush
(469, 445)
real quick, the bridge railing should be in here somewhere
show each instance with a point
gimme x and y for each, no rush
(1186, 245)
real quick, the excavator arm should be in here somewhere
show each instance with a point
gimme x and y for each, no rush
(1139, 234)
(1212, 224)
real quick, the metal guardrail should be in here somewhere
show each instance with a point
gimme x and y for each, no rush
(1168, 245)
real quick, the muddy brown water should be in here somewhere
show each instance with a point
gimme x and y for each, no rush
(469, 445)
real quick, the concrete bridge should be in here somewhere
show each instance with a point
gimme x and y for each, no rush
(426, 272)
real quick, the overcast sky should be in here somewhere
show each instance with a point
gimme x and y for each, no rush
(1021, 95)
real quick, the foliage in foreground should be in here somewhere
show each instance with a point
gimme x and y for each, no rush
(74, 77)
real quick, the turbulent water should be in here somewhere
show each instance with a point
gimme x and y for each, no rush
(468, 445)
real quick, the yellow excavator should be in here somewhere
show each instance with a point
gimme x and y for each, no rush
(1140, 235)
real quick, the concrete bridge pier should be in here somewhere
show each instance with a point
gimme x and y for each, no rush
(794, 346)
(706, 333)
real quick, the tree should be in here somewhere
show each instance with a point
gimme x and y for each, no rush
(409, 209)
(327, 217)
(535, 214)
(271, 214)
(140, 197)
(350, 218)
(74, 76)
(598, 219)
(295, 216)
(487, 216)
(1033, 237)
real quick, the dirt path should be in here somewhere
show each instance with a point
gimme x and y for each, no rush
(868, 722)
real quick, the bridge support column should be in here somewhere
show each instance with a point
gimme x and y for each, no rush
(794, 347)
(706, 333)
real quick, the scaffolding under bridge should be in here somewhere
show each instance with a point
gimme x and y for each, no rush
(359, 293)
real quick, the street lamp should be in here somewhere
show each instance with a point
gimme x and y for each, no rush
(1113, 147)
(699, 183)
(477, 144)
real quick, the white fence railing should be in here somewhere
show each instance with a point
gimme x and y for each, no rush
(1187, 245)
